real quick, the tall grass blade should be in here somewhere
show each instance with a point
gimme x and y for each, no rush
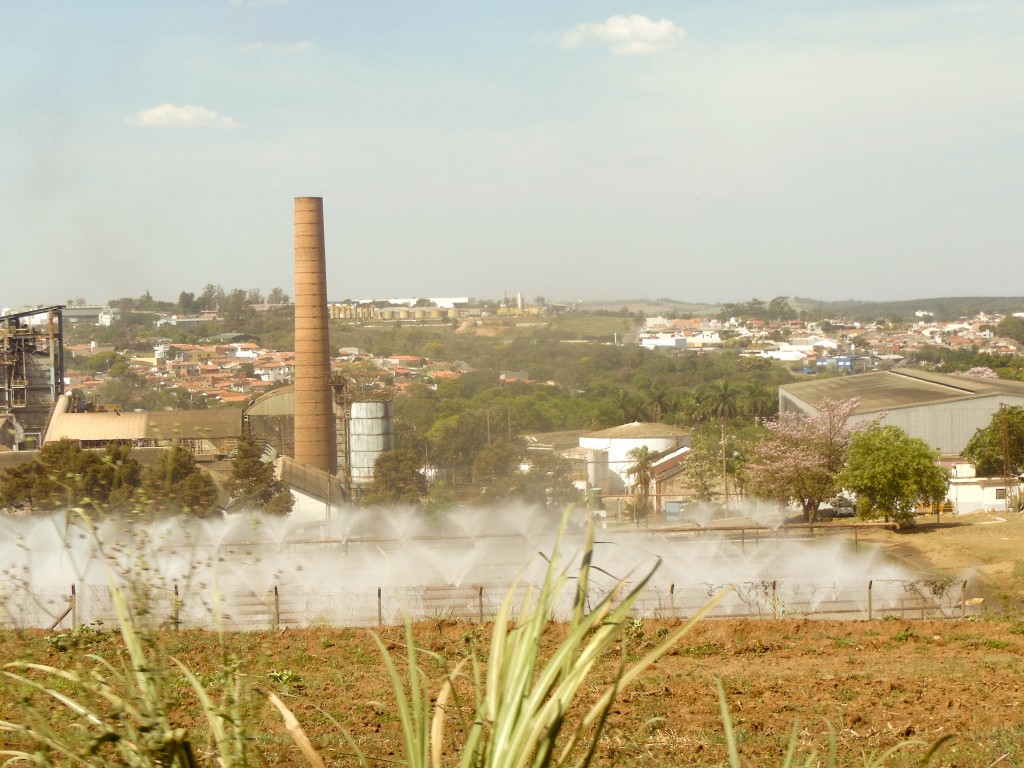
(297, 733)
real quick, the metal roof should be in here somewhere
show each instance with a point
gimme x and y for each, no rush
(145, 425)
(638, 430)
(278, 402)
(886, 390)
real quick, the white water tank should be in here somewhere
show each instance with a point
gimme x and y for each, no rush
(370, 434)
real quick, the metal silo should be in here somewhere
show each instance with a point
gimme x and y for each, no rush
(370, 435)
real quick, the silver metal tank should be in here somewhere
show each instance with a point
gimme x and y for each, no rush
(370, 435)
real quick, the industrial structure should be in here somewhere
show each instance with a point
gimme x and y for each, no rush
(336, 430)
(32, 371)
(942, 409)
(325, 424)
(315, 442)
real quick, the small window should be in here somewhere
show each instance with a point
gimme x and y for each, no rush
(1000, 493)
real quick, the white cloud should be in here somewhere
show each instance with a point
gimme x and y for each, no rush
(631, 35)
(184, 116)
(302, 46)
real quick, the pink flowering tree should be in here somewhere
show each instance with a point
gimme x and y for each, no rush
(801, 457)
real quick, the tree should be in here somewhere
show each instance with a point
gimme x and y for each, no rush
(891, 473)
(800, 459)
(175, 484)
(724, 404)
(211, 297)
(1012, 327)
(397, 479)
(642, 471)
(253, 484)
(703, 470)
(277, 296)
(187, 303)
(63, 474)
(759, 400)
(998, 449)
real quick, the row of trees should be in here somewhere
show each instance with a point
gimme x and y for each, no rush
(811, 459)
(62, 474)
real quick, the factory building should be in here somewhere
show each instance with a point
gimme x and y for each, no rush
(943, 410)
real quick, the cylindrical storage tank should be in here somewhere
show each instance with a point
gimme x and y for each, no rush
(597, 468)
(314, 411)
(419, 314)
(403, 314)
(386, 313)
(435, 313)
(369, 435)
(454, 313)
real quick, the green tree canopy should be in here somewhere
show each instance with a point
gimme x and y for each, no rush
(998, 449)
(62, 474)
(174, 484)
(253, 484)
(891, 473)
(397, 479)
(702, 469)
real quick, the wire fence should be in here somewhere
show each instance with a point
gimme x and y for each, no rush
(24, 606)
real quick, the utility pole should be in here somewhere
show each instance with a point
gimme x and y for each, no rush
(725, 471)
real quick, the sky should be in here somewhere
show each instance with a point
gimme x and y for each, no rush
(698, 151)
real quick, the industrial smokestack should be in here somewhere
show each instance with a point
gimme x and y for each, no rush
(314, 413)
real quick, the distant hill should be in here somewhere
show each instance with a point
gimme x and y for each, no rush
(948, 308)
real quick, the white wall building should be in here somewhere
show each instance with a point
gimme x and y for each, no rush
(607, 452)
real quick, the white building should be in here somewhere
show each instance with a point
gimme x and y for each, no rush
(607, 452)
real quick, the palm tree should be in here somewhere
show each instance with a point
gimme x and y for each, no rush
(659, 401)
(643, 470)
(724, 402)
(695, 407)
(627, 404)
(759, 400)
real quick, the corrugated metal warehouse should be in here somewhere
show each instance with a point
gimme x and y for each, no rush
(943, 410)
(211, 432)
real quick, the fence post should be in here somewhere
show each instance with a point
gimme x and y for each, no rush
(963, 599)
(869, 600)
(480, 604)
(775, 602)
(74, 607)
(277, 608)
(176, 611)
(672, 600)
(380, 610)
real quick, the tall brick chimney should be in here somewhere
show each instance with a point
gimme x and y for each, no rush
(314, 412)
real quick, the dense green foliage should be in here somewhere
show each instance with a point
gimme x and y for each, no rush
(397, 479)
(998, 449)
(946, 360)
(63, 474)
(252, 484)
(891, 473)
(175, 484)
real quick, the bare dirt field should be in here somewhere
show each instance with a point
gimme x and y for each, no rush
(873, 684)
